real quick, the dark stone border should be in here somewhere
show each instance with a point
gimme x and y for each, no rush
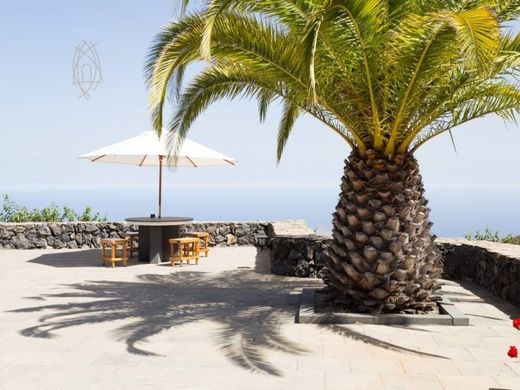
(307, 315)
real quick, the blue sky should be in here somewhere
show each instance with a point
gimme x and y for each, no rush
(44, 124)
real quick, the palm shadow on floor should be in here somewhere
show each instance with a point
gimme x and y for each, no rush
(248, 306)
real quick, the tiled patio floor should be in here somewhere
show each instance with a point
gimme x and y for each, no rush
(68, 323)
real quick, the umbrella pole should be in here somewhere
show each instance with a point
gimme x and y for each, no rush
(160, 184)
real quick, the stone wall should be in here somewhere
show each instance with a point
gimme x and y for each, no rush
(89, 234)
(494, 266)
(229, 233)
(296, 250)
(301, 256)
(58, 235)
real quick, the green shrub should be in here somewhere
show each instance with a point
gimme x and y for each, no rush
(69, 214)
(12, 212)
(494, 236)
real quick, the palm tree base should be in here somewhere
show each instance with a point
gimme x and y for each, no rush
(383, 257)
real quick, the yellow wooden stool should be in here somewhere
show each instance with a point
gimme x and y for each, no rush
(184, 249)
(204, 237)
(114, 244)
(133, 242)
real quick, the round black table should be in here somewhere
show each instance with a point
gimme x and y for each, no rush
(154, 235)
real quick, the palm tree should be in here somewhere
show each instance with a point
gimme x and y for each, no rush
(386, 75)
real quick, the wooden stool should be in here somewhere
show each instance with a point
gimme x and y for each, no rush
(114, 243)
(133, 242)
(181, 249)
(204, 236)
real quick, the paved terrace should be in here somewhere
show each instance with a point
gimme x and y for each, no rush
(68, 323)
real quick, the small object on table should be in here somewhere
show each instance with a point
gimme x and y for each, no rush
(132, 239)
(184, 249)
(204, 237)
(114, 244)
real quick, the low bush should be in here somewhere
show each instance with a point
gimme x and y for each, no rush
(12, 212)
(494, 236)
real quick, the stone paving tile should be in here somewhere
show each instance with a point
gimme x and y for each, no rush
(410, 382)
(390, 354)
(282, 361)
(499, 342)
(460, 341)
(476, 331)
(23, 384)
(352, 381)
(490, 368)
(508, 382)
(347, 352)
(320, 363)
(489, 353)
(17, 372)
(195, 376)
(373, 366)
(103, 385)
(233, 330)
(430, 367)
(467, 382)
(290, 332)
(297, 380)
(419, 340)
(514, 365)
(504, 327)
(142, 374)
(452, 353)
(243, 379)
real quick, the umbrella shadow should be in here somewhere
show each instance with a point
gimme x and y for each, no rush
(70, 259)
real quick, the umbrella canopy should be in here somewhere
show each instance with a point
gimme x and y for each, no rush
(147, 149)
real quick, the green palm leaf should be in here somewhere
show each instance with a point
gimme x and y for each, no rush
(383, 74)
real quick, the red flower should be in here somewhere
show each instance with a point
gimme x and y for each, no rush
(516, 323)
(513, 352)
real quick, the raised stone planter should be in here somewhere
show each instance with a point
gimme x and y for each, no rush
(89, 234)
(493, 266)
(449, 315)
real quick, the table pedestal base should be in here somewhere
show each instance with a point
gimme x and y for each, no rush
(153, 243)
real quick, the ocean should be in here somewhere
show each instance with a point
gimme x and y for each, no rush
(455, 212)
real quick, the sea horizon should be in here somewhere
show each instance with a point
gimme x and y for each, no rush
(452, 215)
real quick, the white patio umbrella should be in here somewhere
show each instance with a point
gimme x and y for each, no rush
(147, 149)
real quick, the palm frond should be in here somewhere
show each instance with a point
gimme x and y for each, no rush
(477, 37)
(265, 97)
(500, 99)
(290, 113)
(365, 19)
(383, 74)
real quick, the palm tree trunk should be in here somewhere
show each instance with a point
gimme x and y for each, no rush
(383, 257)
